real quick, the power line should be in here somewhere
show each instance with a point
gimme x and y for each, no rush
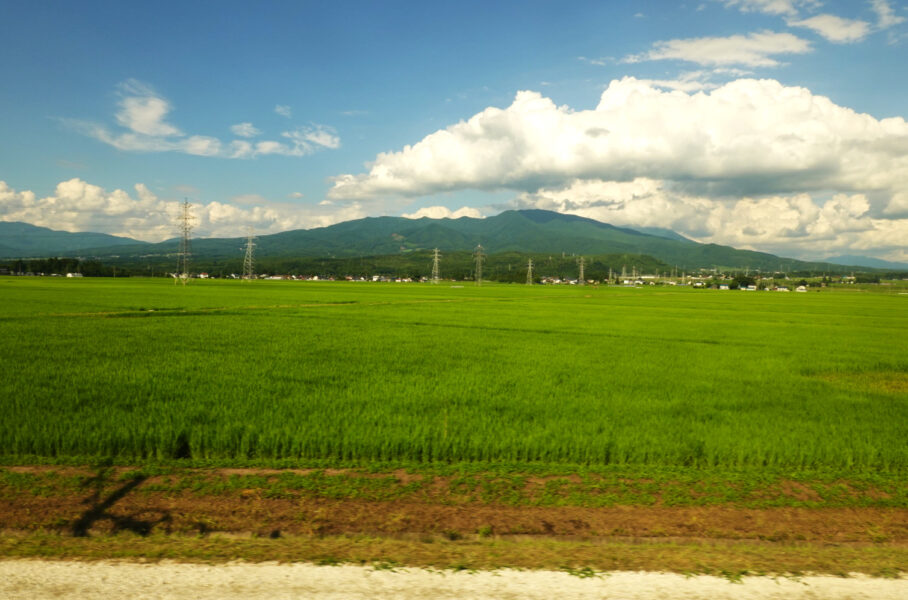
(530, 272)
(582, 280)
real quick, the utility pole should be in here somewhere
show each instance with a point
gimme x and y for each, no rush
(530, 272)
(185, 224)
(249, 260)
(478, 257)
(435, 258)
(582, 280)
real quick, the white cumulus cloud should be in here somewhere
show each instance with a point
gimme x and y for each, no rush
(246, 130)
(748, 136)
(142, 111)
(752, 50)
(796, 225)
(772, 7)
(835, 29)
(690, 81)
(142, 116)
(77, 205)
(307, 139)
(886, 16)
(283, 110)
(443, 212)
(752, 163)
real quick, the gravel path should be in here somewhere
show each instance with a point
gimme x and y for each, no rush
(58, 579)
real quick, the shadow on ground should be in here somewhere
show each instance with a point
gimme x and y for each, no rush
(100, 506)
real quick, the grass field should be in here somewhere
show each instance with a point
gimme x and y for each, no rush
(290, 373)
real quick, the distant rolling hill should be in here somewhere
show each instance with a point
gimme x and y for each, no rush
(521, 231)
(21, 240)
(867, 261)
(661, 232)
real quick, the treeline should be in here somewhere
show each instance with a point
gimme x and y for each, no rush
(504, 267)
(62, 266)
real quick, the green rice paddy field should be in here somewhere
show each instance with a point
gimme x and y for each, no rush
(284, 372)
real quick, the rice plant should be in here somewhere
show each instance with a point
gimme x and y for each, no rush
(143, 370)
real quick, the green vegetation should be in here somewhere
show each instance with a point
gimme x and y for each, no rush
(287, 372)
(62, 266)
(468, 484)
(507, 267)
(585, 557)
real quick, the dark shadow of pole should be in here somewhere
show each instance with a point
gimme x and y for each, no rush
(99, 506)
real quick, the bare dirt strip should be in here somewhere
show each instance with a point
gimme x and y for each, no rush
(248, 513)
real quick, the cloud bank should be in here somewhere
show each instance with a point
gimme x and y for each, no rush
(77, 205)
(790, 225)
(721, 159)
(748, 136)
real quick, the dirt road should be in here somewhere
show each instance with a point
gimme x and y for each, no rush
(31, 579)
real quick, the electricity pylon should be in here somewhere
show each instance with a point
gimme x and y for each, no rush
(435, 257)
(530, 272)
(478, 257)
(582, 280)
(249, 260)
(183, 256)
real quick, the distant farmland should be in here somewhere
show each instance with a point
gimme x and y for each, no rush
(347, 373)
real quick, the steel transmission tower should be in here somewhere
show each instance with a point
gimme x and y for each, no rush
(530, 272)
(249, 260)
(435, 257)
(582, 280)
(478, 257)
(183, 256)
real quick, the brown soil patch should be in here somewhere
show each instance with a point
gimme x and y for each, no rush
(887, 382)
(248, 512)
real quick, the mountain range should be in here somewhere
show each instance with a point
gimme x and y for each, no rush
(867, 261)
(514, 231)
(25, 241)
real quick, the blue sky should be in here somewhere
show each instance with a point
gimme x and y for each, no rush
(769, 124)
